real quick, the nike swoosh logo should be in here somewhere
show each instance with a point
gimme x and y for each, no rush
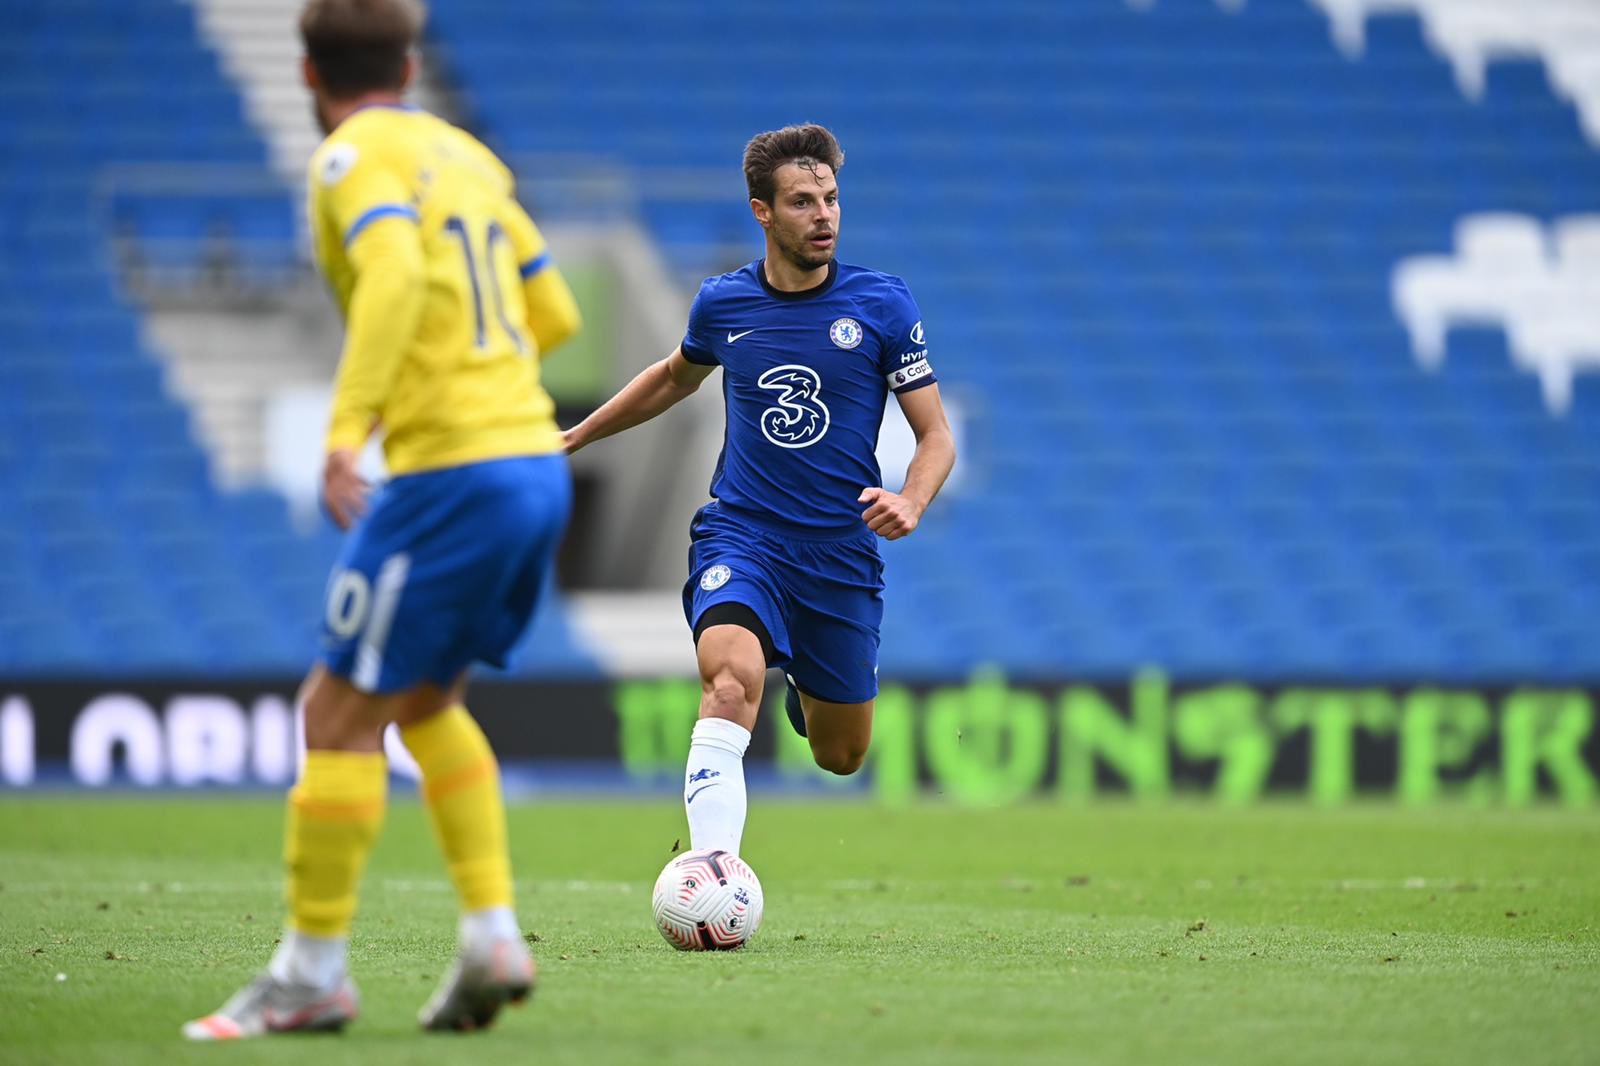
(699, 790)
(732, 336)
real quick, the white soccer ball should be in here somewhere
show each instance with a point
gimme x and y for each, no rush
(707, 901)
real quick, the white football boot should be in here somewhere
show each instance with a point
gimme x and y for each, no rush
(485, 977)
(267, 1005)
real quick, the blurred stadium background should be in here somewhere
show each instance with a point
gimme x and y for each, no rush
(1269, 329)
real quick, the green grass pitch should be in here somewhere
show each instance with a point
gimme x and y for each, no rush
(1041, 934)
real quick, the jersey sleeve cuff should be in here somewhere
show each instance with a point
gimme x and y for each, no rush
(347, 431)
(697, 355)
(373, 214)
(534, 265)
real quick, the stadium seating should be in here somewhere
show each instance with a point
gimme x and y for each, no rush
(1154, 245)
(117, 553)
(1474, 33)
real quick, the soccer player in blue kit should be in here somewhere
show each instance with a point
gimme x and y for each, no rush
(784, 568)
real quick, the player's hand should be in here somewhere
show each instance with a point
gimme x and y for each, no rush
(344, 490)
(569, 440)
(889, 514)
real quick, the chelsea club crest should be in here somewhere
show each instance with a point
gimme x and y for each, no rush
(715, 577)
(845, 333)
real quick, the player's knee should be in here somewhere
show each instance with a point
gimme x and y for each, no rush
(340, 718)
(843, 759)
(727, 694)
(342, 732)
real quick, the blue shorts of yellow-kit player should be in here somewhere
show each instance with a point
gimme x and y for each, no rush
(444, 570)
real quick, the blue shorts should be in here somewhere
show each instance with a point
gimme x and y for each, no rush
(444, 569)
(821, 600)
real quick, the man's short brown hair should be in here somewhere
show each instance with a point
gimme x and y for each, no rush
(360, 46)
(810, 144)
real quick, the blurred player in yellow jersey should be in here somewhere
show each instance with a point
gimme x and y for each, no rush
(450, 301)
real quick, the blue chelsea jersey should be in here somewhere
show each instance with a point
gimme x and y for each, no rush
(805, 378)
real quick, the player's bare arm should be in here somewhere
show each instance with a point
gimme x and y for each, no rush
(656, 388)
(893, 515)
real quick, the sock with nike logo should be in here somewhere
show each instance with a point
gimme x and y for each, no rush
(713, 791)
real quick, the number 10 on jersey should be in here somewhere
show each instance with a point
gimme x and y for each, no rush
(482, 272)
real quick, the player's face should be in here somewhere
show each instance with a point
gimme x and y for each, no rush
(803, 218)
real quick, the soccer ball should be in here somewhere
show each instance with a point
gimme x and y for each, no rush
(707, 901)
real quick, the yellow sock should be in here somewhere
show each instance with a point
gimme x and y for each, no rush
(335, 812)
(461, 786)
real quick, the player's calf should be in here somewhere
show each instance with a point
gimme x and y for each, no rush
(838, 757)
(839, 733)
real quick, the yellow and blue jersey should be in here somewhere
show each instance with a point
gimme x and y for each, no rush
(448, 291)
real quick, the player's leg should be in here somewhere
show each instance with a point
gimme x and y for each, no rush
(461, 791)
(733, 670)
(334, 813)
(839, 733)
(833, 670)
(511, 527)
(734, 606)
(422, 570)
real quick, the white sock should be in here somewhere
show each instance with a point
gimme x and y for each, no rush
(304, 959)
(713, 792)
(488, 925)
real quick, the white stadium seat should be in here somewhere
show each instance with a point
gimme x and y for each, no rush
(1502, 242)
(1577, 244)
(1471, 34)
(1348, 19)
(1543, 291)
(1498, 257)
